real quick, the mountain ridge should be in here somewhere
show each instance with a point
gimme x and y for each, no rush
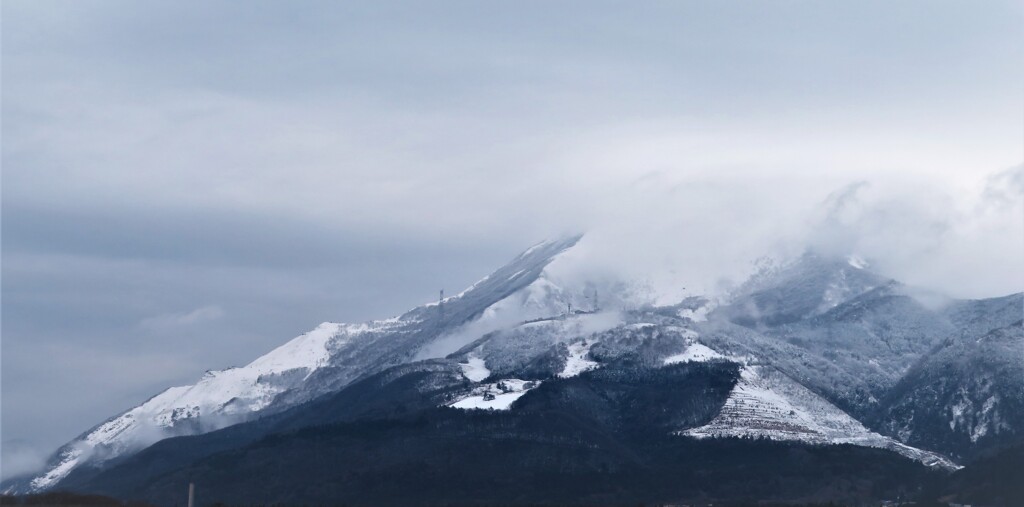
(820, 343)
(273, 381)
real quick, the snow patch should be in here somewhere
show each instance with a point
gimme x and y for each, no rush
(695, 352)
(981, 428)
(307, 351)
(533, 248)
(497, 396)
(475, 369)
(577, 361)
(972, 421)
(857, 262)
(767, 404)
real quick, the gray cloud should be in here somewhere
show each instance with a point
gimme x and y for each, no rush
(1003, 190)
(289, 164)
(19, 457)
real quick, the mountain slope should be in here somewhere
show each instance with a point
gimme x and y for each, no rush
(219, 399)
(321, 361)
(588, 372)
(966, 396)
(604, 436)
(767, 404)
(822, 358)
(846, 333)
(808, 286)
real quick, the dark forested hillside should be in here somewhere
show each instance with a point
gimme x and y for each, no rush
(603, 437)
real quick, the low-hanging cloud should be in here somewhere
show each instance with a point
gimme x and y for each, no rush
(19, 457)
(966, 243)
(703, 238)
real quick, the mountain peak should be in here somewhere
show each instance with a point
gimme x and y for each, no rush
(809, 285)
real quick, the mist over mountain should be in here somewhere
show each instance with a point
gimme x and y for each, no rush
(282, 251)
(816, 352)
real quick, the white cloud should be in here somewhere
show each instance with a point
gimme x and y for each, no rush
(170, 321)
(19, 457)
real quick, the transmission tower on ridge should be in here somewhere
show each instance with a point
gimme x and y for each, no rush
(440, 305)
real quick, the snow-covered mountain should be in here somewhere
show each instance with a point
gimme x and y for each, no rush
(322, 360)
(764, 403)
(965, 396)
(219, 399)
(806, 287)
(819, 351)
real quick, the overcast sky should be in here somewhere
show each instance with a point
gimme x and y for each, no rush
(187, 184)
